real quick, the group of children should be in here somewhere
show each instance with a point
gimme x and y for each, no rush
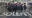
(15, 7)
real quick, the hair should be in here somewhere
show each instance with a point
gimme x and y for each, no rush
(24, 3)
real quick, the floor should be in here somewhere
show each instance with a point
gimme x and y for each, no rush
(17, 13)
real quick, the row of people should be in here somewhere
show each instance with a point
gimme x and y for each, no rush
(14, 7)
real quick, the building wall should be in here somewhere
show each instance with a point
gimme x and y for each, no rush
(15, 0)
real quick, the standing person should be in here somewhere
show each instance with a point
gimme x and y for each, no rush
(15, 8)
(24, 7)
(9, 8)
(12, 8)
(21, 8)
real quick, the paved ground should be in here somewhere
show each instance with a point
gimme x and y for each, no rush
(17, 14)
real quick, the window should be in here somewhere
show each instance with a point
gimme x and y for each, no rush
(21, 0)
(7, 0)
(17, 0)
